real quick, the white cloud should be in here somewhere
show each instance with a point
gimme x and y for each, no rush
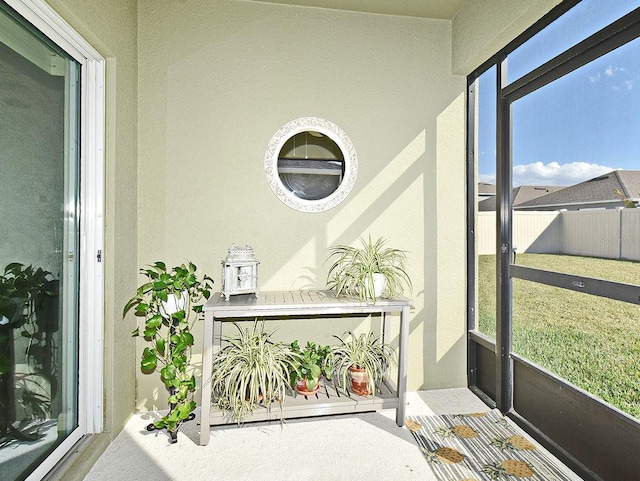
(554, 173)
(613, 74)
(487, 178)
(611, 71)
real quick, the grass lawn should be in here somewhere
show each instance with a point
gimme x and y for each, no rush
(590, 341)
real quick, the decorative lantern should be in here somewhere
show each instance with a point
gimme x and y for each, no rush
(239, 272)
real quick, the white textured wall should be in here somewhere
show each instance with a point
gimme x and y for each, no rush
(445, 340)
(217, 79)
(483, 27)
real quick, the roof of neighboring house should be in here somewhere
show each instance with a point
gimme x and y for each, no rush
(521, 194)
(598, 192)
(486, 189)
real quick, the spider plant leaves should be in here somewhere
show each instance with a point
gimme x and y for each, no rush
(351, 273)
(363, 351)
(251, 368)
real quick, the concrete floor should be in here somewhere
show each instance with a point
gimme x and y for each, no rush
(327, 448)
(367, 446)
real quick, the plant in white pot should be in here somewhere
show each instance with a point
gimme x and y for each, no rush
(363, 359)
(368, 272)
(169, 302)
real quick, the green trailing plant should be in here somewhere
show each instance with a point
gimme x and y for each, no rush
(23, 291)
(27, 306)
(352, 272)
(314, 361)
(170, 303)
(251, 369)
(363, 351)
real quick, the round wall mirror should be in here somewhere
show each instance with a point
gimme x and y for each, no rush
(310, 164)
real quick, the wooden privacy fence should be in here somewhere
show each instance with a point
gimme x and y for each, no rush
(606, 233)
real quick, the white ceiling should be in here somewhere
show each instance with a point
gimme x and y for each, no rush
(440, 9)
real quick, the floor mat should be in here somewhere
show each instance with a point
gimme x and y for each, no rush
(481, 447)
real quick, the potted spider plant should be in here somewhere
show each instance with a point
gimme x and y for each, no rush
(369, 271)
(363, 359)
(314, 362)
(170, 303)
(251, 369)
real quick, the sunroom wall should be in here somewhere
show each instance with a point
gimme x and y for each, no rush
(217, 79)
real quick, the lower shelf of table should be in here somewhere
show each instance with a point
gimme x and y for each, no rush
(329, 400)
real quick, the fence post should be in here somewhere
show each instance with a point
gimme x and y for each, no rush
(620, 235)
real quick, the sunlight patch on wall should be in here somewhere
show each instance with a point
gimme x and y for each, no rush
(365, 197)
(451, 235)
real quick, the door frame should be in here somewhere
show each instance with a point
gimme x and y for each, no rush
(90, 218)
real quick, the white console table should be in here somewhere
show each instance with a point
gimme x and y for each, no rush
(304, 304)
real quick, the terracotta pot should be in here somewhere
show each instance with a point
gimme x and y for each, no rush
(359, 381)
(301, 387)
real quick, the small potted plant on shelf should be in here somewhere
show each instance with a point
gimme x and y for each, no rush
(363, 359)
(314, 362)
(169, 302)
(369, 272)
(251, 369)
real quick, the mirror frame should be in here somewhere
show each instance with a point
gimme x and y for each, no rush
(332, 131)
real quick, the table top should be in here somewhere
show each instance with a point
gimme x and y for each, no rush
(304, 302)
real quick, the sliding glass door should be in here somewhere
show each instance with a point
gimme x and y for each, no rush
(39, 240)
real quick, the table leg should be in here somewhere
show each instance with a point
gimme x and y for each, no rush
(207, 354)
(403, 344)
(386, 328)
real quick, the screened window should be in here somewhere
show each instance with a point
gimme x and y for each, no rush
(557, 248)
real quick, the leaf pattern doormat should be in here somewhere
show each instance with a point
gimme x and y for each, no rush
(481, 447)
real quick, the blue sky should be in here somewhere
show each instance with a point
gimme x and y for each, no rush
(579, 127)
